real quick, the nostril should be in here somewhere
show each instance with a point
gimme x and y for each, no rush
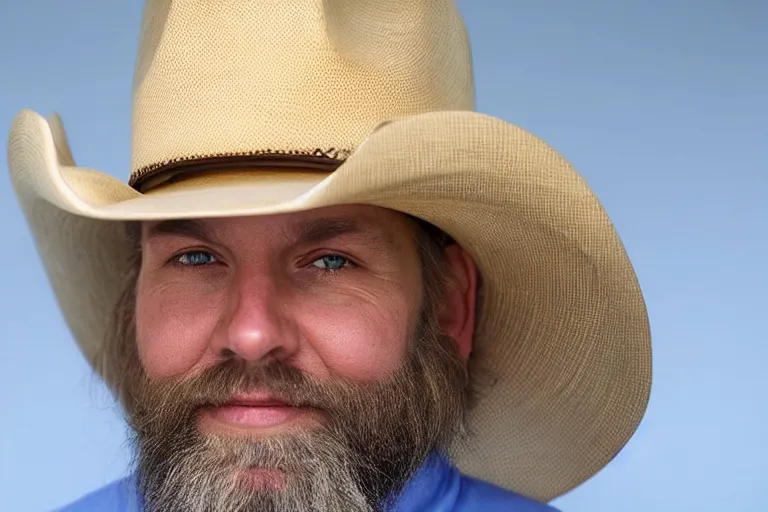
(228, 353)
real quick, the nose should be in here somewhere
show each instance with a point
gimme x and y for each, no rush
(254, 326)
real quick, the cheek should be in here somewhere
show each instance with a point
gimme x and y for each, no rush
(173, 329)
(362, 339)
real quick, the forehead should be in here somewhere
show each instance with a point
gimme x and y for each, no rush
(373, 224)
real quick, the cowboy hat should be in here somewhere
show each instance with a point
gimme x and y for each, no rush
(255, 108)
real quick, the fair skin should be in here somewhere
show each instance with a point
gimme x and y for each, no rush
(335, 292)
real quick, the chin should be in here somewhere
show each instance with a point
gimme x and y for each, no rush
(264, 480)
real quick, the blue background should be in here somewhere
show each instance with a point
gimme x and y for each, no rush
(661, 105)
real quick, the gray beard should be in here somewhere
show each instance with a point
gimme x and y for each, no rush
(377, 436)
(319, 477)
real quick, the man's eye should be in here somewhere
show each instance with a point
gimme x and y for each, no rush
(331, 262)
(195, 258)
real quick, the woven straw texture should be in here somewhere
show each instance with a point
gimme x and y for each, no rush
(292, 77)
(385, 87)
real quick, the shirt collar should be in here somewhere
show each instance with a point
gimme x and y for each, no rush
(435, 486)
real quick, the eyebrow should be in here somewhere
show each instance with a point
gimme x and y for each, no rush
(320, 230)
(184, 227)
(328, 228)
(314, 231)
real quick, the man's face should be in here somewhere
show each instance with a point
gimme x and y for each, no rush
(290, 362)
(336, 292)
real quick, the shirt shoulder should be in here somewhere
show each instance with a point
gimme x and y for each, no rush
(479, 495)
(117, 496)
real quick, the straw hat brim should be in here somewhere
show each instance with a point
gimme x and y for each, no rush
(563, 327)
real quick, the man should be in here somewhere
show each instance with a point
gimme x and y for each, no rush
(330, 284)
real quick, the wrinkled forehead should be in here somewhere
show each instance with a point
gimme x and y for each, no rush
(375, 226)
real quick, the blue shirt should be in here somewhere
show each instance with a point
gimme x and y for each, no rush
(437, 487)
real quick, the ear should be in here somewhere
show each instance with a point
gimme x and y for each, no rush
(457, 315)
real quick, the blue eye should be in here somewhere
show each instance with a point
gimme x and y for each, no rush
(195, 258)
(331, 262)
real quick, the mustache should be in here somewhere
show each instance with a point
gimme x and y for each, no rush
(184, 397)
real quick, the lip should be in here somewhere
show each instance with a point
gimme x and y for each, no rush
(254, 412)
(257, 400)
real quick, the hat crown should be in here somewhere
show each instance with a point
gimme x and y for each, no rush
(297, 77)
